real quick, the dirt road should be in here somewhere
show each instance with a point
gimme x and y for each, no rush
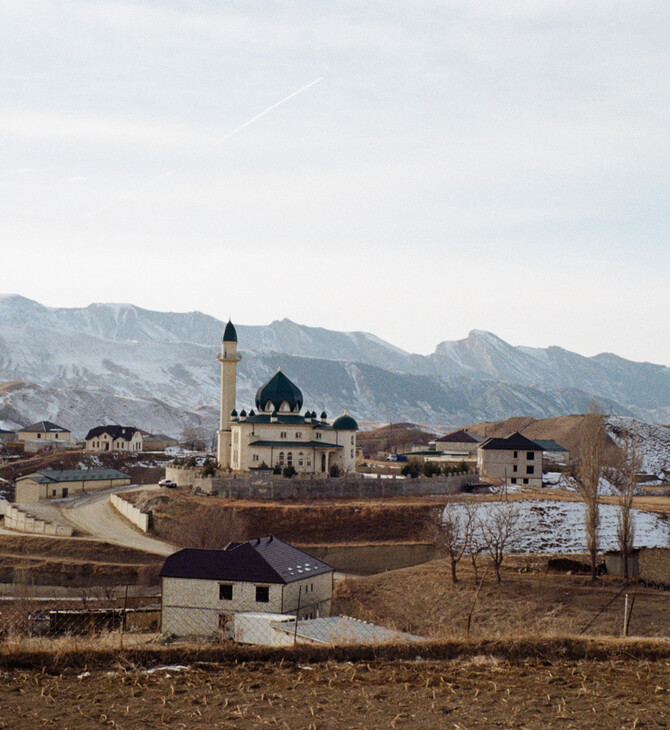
(95, 515)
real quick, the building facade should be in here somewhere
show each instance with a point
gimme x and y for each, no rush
(202, 589)
(277, 434)
(515, 460)
(61, 483)
(45, 431)
(115, 438)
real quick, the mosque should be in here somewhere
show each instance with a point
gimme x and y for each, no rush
(276, 434)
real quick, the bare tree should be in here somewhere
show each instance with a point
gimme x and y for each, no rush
(589, 468)
(194, 438)
(622, 476)
(453, 527)
(475, 542)
(207, 527)
(498, 530)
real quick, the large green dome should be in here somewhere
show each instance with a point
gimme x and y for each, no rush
(277, 391)
(345, 423)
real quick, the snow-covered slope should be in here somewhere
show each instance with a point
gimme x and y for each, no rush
(130, 355)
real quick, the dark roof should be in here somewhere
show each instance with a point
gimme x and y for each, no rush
(549, 445)
(229, 334)
(514, 442)
(279, 389)
(345, 423)
(296, 444)
(263, 560)
(49, 476)
(116, 432)
(458, 437)
(45, 427)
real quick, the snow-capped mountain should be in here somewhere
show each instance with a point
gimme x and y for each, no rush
(158, 370)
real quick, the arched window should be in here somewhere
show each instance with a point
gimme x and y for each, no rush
(289, 458)
(300, 459)
(280, 460)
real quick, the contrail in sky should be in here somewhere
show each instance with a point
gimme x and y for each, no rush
(216, 144)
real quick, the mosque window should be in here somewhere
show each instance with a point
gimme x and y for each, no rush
(280, 459)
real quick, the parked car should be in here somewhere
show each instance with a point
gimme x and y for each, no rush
(167, 483)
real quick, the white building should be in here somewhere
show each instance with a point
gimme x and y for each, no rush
(114, 438)
(514, 459)
(277, 434)
(202, 589)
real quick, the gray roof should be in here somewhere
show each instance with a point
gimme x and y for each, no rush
(262, 560)
(45, 427)
(343, 630)
(115, 432)
(514, 442)
(49, 476)
(549, 445)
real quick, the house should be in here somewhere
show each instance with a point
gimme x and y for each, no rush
(457, 445)
(157, 441)
(44, 435)
(201, 589)
(7, 436)
(514, 459)
(277, 434)
(553, 453)
(60, 483)
(115, 438)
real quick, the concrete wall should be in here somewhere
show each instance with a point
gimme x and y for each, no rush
(654, 565)
(501, 464)
(182, 476)
(374, 558)
(18, 519)
(130, 512)
(270, 486)
(193, 607)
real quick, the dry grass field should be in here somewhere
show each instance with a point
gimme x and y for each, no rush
(478, 691)
(529, 602)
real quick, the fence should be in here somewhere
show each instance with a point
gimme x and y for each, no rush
(130, 512)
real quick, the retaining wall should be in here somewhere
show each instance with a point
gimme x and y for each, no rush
(277, 487)
(375, 557)
(182, 476)
(17, 519)
(130, 512)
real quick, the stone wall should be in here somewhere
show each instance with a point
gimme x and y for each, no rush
(654, 565)
(277, 487)
(374, 558)
(130, 512)
(17, 519)
(182, 476)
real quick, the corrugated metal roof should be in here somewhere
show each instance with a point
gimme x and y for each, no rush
(49, 476)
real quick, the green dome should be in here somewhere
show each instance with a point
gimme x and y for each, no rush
(229, 334)
(277, 391)
(345, 423)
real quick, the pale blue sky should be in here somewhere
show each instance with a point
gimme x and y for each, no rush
(458, 166)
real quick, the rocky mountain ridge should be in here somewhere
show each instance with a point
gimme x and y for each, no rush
(122, 363)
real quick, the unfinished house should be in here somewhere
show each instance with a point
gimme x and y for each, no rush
(514, 459)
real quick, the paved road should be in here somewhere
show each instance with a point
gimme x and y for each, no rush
(95, 515)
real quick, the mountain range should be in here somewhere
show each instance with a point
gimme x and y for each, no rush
(118, 363)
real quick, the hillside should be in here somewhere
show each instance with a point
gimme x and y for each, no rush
(158, 370)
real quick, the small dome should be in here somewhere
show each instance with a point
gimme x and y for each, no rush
(324, 415)
(278, 390)
(229, 334)
(243, 413)
(233, 413)
(345, 423)
(252, 412)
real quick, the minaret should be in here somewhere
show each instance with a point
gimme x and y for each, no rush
(228, 359)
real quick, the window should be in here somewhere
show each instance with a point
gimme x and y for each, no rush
(300, 459)
(516, 454)
(254, 457)
(289, 458)
(282, 435)
(530, 455)
(515, 468)
(262, 594)
(530, 470)
(280, 459)
(39, 435)
(56, 436)
(318, 435)
(352, 440)
(298, 434)
(513, 480)
(53, 492)
(525, 481)
(65, 491)
(225, 591)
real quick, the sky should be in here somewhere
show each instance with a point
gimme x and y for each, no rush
(457, 165)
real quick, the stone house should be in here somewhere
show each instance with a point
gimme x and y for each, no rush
(115, 438)
(202, 589)
(44, 434)
(61, 483)
(514, 459)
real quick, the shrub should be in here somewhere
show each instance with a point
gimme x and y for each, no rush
(430, 469)
(334, 470)
(209, 468)
(288, 471)
(411, 469)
